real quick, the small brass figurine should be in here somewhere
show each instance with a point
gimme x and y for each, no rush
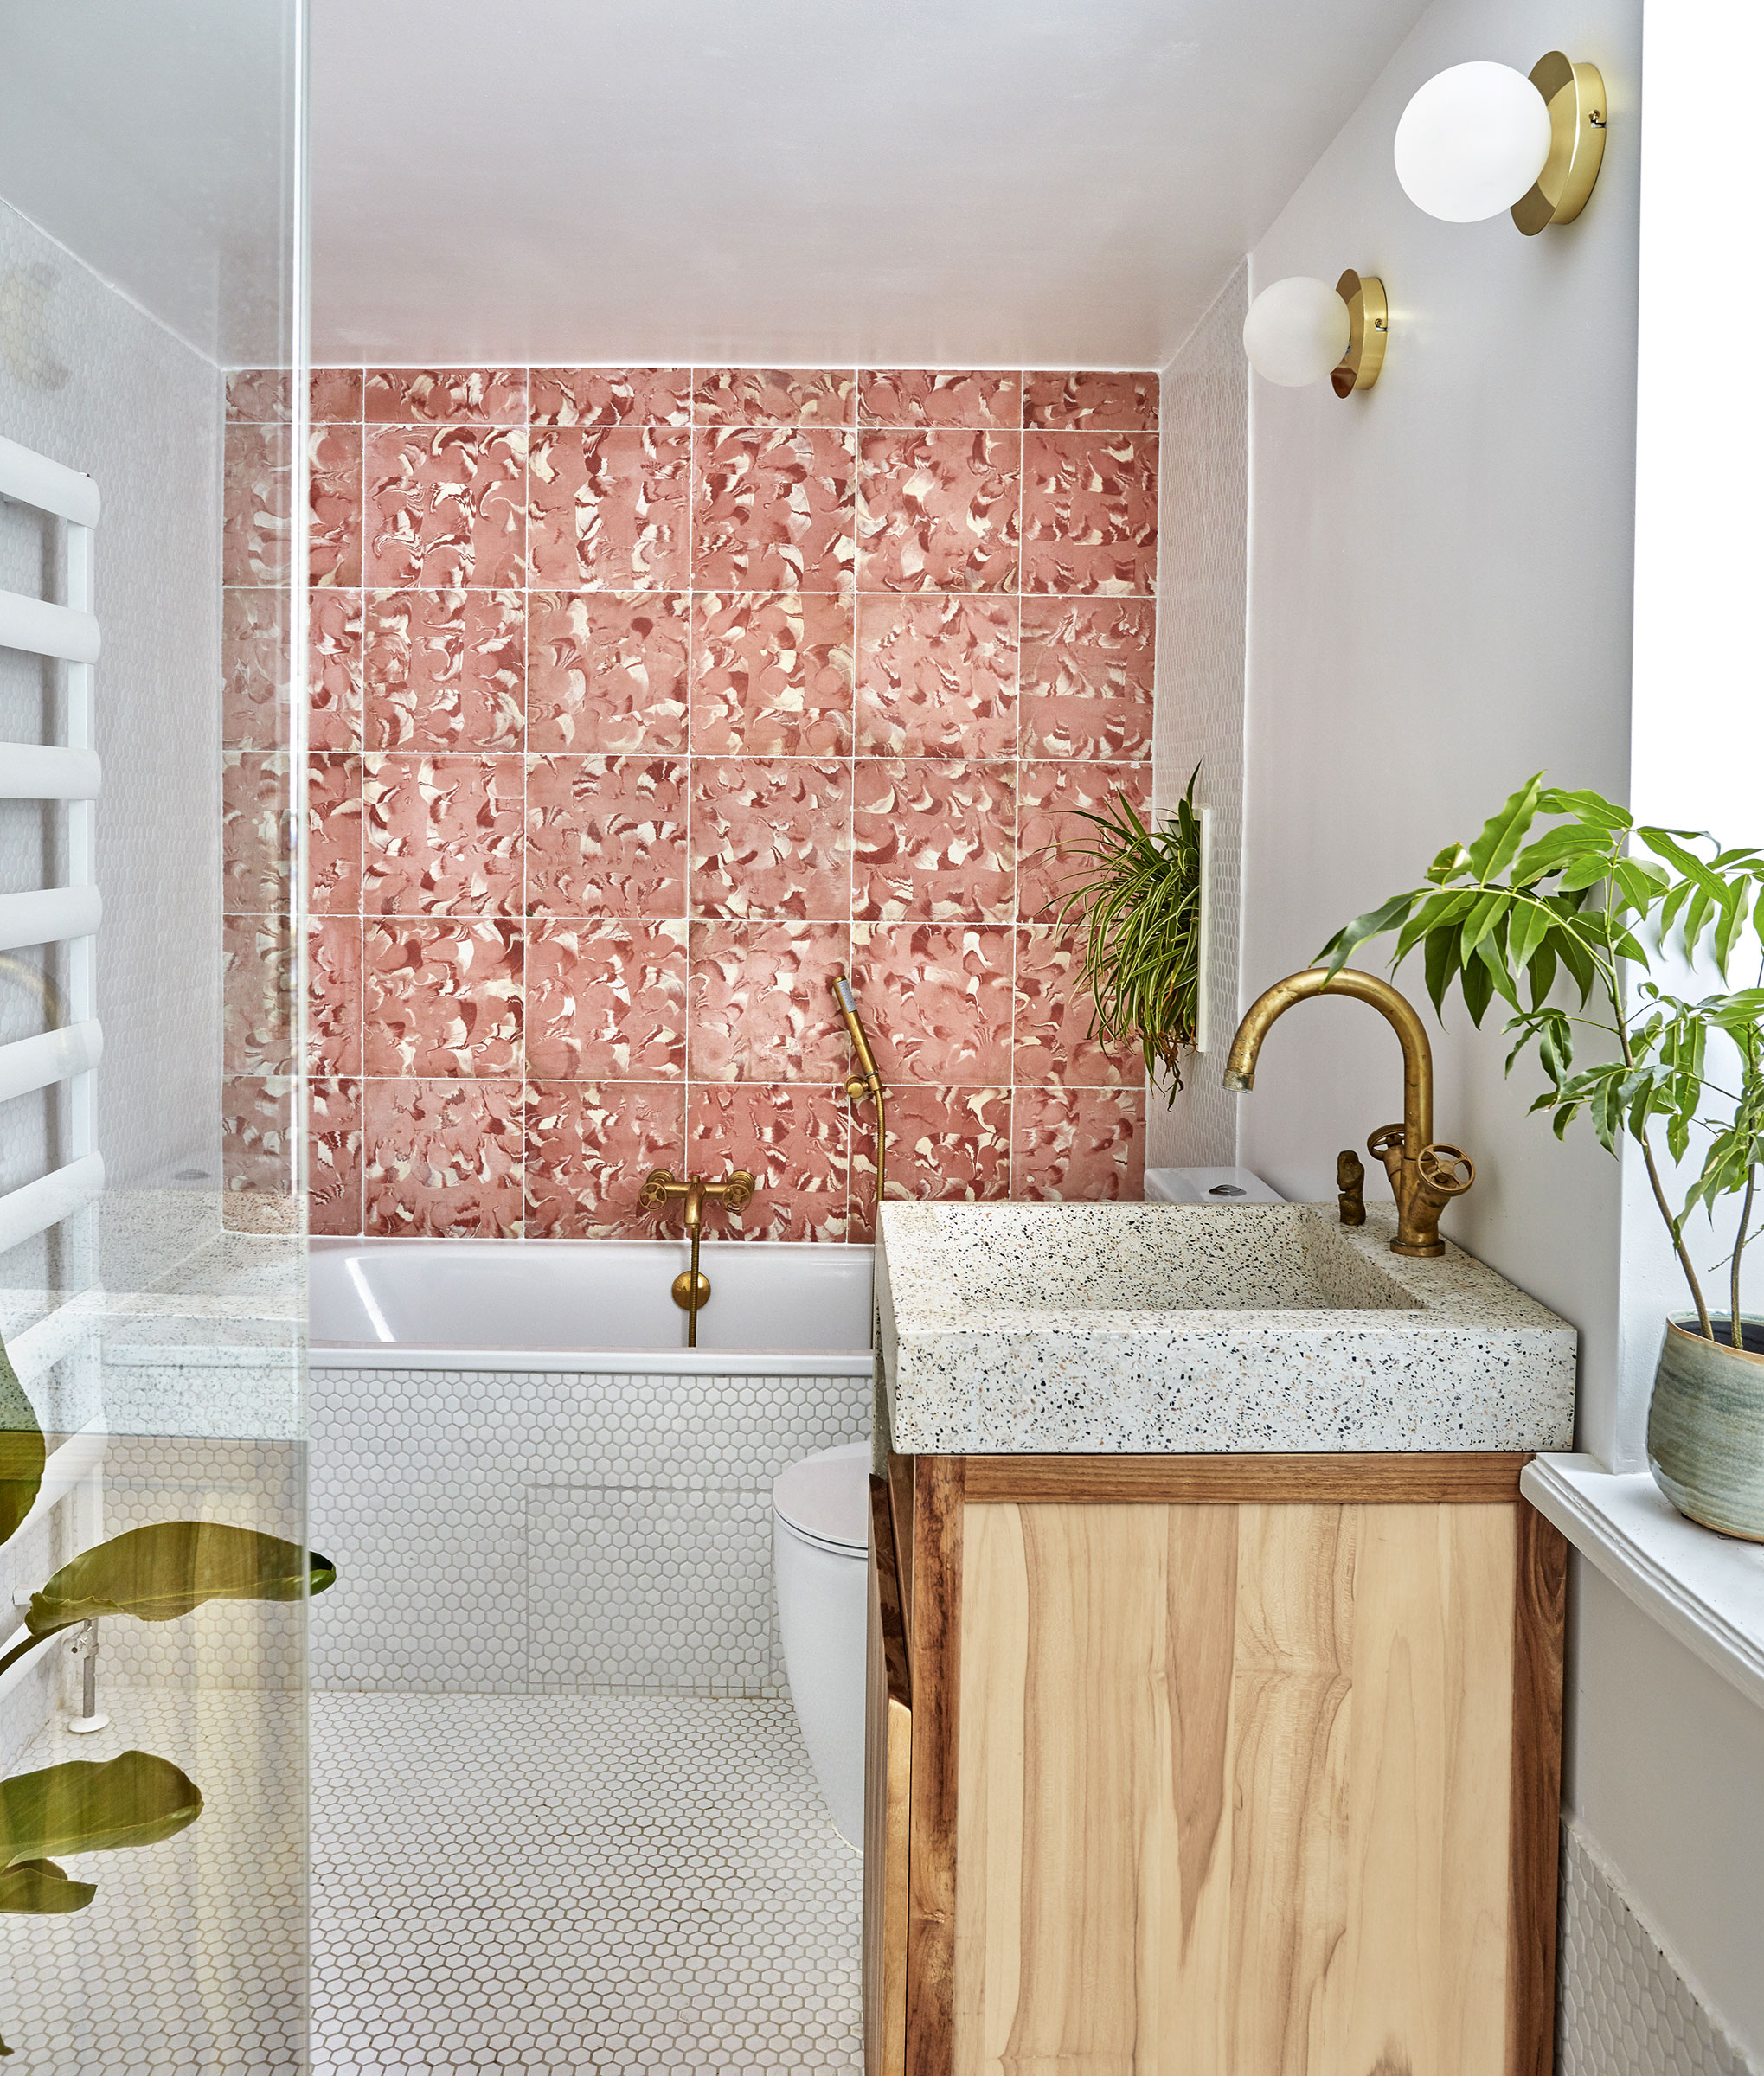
(1350, 1180)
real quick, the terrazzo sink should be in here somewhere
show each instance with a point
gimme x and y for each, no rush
(1176, 1327)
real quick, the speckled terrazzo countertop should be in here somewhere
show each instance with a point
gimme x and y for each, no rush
(1179, 1327)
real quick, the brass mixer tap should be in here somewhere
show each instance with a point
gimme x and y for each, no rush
(690, 1286)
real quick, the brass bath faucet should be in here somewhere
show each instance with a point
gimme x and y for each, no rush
(1425, 1175)
(733, 1190)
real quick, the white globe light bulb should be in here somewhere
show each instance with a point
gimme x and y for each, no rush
(1296, 331)
(1471, 142)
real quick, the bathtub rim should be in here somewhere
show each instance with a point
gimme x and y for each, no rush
(592, 1361)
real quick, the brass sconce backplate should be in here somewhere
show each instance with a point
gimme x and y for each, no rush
(1369, 327)
(1574, 94)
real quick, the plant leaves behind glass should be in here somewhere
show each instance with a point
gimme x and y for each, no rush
(22, 1452)
(94, 1806)
(38, 1889)
(164, 1570)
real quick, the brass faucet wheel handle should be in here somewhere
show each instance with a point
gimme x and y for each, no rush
(655, 1190)
(1444, 1171)
(737, 1190)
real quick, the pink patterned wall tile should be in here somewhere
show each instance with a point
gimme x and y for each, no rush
(1090, 513)
(334, 832)
(606, 671)
(255, 632)
(333, 1036)
(933, 841)
(442, 998)
(1109, 402)
(1078, 1145)
(610, 396)
(1052, 799)
(257, 528)
(773, 396)
(334, 1157)
(770, 839)
(1052, 1043)
(257, 996)
(258, 396)
(606, 835)
(442, 1160)
(1087, 677)
(447, 506)
(257, 1135)
(590, 1145)
(610, 509)
(607, 1002)
(446, 669)
(335, 397)
(334, 528)
(771, 674)
(334, 669)
(945, 1145)
(936, 676)
(938, 511)
(774, 510)
(256, 825)
(988, 399)
(450, 396)
(760, 1009)
(442, 836)
(792, 1140)
(936, 1001)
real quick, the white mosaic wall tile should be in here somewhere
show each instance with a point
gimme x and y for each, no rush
(554, 1532)
(1624, 2010)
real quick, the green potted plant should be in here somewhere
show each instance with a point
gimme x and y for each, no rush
(1137, 897)
(1515, 912)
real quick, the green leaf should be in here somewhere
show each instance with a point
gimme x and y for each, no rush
(39, 1888)
(1343, 946)
(1541, 969)
(23, 1452)
(1478, 987)
(1587, 872)
(94, 1806)
(1585, 806)
(1441, 966)
(1503, 832)
(1449, 864)
(1557, 848)
(164, 1570)
(1531, 924)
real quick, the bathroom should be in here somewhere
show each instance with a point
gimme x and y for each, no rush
(606, 558)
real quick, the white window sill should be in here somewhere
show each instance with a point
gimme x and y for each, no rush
(1707, 1589)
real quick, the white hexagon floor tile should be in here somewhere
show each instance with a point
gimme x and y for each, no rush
(603, 1883)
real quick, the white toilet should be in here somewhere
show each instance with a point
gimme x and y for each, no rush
(820, 1546)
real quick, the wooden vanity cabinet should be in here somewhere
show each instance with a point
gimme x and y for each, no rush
(1211, 1766)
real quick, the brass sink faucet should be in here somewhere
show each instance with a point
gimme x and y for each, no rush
(690, 1286)
(1425, 1175)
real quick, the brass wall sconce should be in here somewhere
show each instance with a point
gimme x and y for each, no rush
(1299, 330)
(1481, 137)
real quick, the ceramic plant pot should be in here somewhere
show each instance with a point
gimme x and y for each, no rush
(1705, 1427)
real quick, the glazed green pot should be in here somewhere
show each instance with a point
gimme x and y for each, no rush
(1705, 1427)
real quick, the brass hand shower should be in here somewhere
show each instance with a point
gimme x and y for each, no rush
(868, 1082)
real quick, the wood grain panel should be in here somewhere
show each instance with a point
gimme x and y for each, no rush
(1365, 1480)
(1535, 1811)
(888, 1773)
(936, 1673)
(900, 1507)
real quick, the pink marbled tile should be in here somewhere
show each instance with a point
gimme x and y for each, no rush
(774, 510)
(257, 1136)
(606, 835)
(257, 522)
(334, 1157)
(610, 509)
(334, 832)
(257, 994)
(607, 1002)
(255, 632)
(773, 396)
(1087, 677)
(606, 671)
(333, 1028)
(771, 674)
(936, 1001)
(335, 396)
(770, 839)
(258, 396)
(590, 1146)
(446, 669)
(933, 841)
(945, 1145)
(1090, 513)
(984, 398)
(938, 511)
(442, 998)
(334, 669)
(453, 396)
(442, 1160)
(610, 396)
(1052, 800)
(936, 676)
(334, 529)
(443, 835)
(760, 1008)
(256, 832)
(447, 506)
(1078, 1145)
(793, 1142)
(1052, 1042)
(1091, 399)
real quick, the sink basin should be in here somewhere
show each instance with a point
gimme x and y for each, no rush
(1011, 1327)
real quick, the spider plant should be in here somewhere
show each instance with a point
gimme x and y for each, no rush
(1139, 899)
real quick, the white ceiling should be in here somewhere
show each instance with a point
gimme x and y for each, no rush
(956, 182)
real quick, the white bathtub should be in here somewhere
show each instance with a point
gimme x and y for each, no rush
(778, 1308)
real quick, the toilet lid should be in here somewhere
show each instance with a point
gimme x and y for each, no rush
(827, 1496)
